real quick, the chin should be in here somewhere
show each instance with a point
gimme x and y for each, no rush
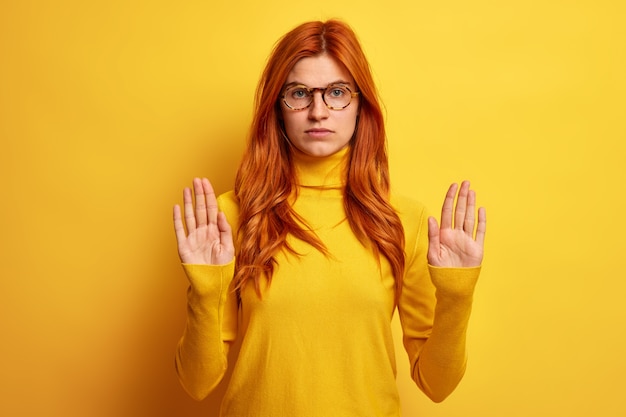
(320, 151)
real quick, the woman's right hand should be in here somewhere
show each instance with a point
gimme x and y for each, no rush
(208, 239)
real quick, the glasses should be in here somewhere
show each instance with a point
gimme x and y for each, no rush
(335, 96)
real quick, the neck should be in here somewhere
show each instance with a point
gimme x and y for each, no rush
(325, 172)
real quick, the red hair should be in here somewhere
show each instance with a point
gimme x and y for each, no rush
(265, 179)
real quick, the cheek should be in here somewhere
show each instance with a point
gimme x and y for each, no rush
(351, 121)
(291, 121)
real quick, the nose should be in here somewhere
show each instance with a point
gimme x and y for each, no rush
(318, 109)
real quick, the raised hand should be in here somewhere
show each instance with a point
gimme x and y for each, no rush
(209, 238)
(456, 243)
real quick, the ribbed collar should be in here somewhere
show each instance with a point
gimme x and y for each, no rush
(321, 172)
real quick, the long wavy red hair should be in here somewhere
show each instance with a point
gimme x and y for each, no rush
(265, 179)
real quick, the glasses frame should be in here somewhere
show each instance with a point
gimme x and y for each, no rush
(311, 91)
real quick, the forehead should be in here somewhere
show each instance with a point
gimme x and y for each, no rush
(319, 71)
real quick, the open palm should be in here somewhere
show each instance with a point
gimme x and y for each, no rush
(456, 244)
(208, 239)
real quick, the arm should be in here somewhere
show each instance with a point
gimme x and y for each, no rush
(207, 252)
(436, 301)
(202, 353)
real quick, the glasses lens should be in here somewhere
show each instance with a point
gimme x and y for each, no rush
(337, 96)
(297, 97)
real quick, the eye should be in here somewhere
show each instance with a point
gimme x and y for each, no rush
(299, 93)
(336, 92)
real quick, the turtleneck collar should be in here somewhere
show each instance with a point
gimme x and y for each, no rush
(320, 172)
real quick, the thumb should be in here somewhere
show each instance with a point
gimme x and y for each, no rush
(433, 239)
(226, 232)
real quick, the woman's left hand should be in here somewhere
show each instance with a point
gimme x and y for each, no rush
(455, 244)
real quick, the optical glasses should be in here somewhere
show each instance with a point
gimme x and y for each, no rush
(335, 96)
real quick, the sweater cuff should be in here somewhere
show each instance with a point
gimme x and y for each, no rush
(207, 280)
(454, 282)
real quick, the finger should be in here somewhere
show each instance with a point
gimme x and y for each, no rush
(461, 206)
(481, 229)
(468, 225)
(448, 207)
(211, 201)
(179, 229)
(201, 211)
(190, 220)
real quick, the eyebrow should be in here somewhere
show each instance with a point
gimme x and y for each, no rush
(291, 84)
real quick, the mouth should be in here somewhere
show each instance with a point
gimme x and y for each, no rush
(318, 132)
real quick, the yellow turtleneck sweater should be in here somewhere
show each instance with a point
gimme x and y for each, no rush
(319, 342)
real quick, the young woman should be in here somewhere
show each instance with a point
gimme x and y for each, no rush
(310, 255)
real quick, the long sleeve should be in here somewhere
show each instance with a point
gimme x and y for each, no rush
(201, 356)
(434, 307)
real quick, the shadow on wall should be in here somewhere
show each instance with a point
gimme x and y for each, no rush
(152, 387)
(148, 383)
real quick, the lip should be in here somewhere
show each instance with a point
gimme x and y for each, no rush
(318, 132)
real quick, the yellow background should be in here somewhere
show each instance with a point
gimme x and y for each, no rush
(108, 109)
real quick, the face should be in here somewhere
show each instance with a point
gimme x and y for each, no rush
(318, 130)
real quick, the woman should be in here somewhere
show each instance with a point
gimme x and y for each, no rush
(324, 253)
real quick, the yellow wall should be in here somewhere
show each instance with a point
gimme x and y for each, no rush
(107, 109)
